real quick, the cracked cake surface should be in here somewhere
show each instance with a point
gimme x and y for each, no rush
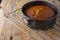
(39, 12)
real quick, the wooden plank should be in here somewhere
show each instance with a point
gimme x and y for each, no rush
(22, 26)
(52, 33)
(9, 6)
(11, 30)
(58, 24)
(44, 35)
(2, 19)
(29, 36)
(57, 28)
(2, 33)
(22, 33)
(6, 32)
(18, 34)
(18, 15)
(35, 35)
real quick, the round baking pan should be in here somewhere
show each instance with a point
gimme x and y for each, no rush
(41, 24)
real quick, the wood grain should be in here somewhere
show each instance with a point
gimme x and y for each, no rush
(15, 29)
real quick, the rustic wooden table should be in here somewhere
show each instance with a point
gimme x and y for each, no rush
(15, 29)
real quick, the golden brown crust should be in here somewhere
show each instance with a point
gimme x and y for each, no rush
(39, 12)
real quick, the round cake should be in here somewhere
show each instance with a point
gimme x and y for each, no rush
(39, 12)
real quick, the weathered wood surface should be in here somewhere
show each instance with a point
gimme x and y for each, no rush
(2, 19)
(15, 29)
